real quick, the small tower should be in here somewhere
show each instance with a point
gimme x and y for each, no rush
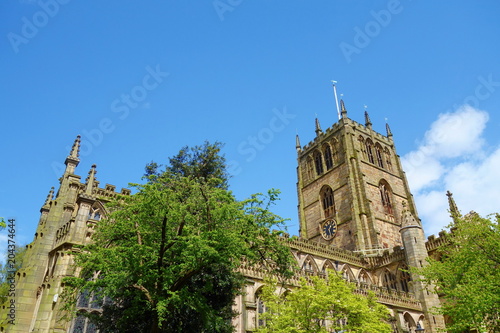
(416, 256)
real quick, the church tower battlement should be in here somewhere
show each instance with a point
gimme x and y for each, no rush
(350, 187)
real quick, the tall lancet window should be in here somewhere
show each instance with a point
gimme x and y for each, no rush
(318, 161)
(328, 157)
(378, 153)
(385, 194)
(309, 168)
(328, 202)
(369, 151)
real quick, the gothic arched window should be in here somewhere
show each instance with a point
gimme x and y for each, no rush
(364, 277)
(347, 274)
(404, 278)
(386, 195)
(89, 303)
(94, 214)
(389, 280)
(328, 202)
(309, 168)
(362, 146)
(378, 153)
(318, 161)
(82, 324)
(369, 150)
(328, 157)
(308, 265)
(261, 309)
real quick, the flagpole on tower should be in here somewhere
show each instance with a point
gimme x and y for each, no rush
(336, 99)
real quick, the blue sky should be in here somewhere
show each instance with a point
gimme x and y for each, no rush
(140, 79)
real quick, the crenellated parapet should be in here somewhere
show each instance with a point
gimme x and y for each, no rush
(433, 242)
(326, 251)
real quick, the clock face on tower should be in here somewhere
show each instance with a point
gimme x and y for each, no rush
(328, 229)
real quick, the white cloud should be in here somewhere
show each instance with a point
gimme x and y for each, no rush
(457, 133)
(452, 157)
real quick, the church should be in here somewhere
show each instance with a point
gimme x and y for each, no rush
(357, 217)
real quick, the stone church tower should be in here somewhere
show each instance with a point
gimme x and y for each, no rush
(353, 194)
(351, 186)
(357, 217)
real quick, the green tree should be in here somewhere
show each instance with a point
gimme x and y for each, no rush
(168, 255)
(467, 274)
(322, 305)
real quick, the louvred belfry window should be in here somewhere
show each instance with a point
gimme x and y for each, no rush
(328, 202)
(328, 157)
(318, 161)
(369, 151)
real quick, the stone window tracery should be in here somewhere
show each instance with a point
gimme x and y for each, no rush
(386, 195)
(328, 157)
(88, 302)
(389, 280)
(364, 278)
(318, 161)
(378, 153)
(309, 168)
(404, 278)
(328, 202)
(362, 146)
(369, 151)
(261, 309)
(94, 214)
(307, 265)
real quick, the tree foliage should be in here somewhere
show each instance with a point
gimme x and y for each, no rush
(467, 274)
(200, 162)
(322, 305)
(168, 255)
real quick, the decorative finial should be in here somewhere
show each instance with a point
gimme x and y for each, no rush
(454, 212)
(297, 143)
(388, 130)
(50, 196)
(343, 110)
(46, 205)
(91, 181)
(368, 122)
(318, 128)
(75, 150)
(72, 160)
